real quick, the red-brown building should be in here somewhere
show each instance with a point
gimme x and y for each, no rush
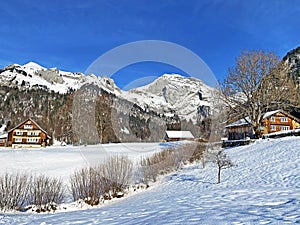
(279, 120)
(274, 121)
(27, 134)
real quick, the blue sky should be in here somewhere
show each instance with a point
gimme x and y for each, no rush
(71, 34)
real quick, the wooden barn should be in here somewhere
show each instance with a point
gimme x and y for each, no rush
(178, 135)
(27, 134)
(274, 121)
(240, 130)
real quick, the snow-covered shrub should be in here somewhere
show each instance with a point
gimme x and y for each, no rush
(13, 191)
(117, 171)
(195, 151)
(169, 160)
(108, 180)
(88, 184)
(159, 163)
(45, 192)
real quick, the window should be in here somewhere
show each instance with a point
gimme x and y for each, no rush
(272, 119)
(27, 126)
(19, 132)
(32, 140)
(33, 133)
(273, 128)
(283, 119)
(284, 127)
(18, 140)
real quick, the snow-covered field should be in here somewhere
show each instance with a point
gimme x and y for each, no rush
(61, 161)
(263, 188)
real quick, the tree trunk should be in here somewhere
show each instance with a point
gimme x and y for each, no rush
(257, 132)
(219, 175)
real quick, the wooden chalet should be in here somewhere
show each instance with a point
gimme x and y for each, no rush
(178, 135)
(279, 120)
(27, 134)
(274, 121)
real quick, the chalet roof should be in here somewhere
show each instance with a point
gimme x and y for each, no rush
(32, 122)
(179, 134)
(242, 122)
(3, 136)
(268, 114)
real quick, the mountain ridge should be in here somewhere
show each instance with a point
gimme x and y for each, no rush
(50, 95)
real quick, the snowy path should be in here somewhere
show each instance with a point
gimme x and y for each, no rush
(264, 188)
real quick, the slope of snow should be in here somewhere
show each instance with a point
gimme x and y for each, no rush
(263, 188)
(32, 67)
(33, 75)
(173, 93)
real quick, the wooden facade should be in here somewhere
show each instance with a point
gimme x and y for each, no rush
(274, 121)
(278, 121)
(28, 134)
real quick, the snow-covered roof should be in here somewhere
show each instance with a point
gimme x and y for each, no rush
(242, 122)
(179, 134)
(3, 135)
(268, 114)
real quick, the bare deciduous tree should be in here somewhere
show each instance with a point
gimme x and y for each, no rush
(223, 162)
(258, 83)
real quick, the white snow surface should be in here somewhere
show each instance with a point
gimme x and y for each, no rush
(61, 161)
(262, 188)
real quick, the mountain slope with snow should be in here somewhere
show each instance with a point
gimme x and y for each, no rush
(32, 75)
(173, 93)
(263, 188)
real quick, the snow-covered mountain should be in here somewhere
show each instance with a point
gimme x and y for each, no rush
(47, 94)
(292, 59)
(173, 94)
(170, 94)
(32, 75)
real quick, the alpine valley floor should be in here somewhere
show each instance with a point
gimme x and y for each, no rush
(262, 188)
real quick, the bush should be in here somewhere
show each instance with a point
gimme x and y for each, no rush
(87, 184)
(117, 171)
(102, 182)
(13, 191)
(169, 160)
(45, 191)
(17, 191)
